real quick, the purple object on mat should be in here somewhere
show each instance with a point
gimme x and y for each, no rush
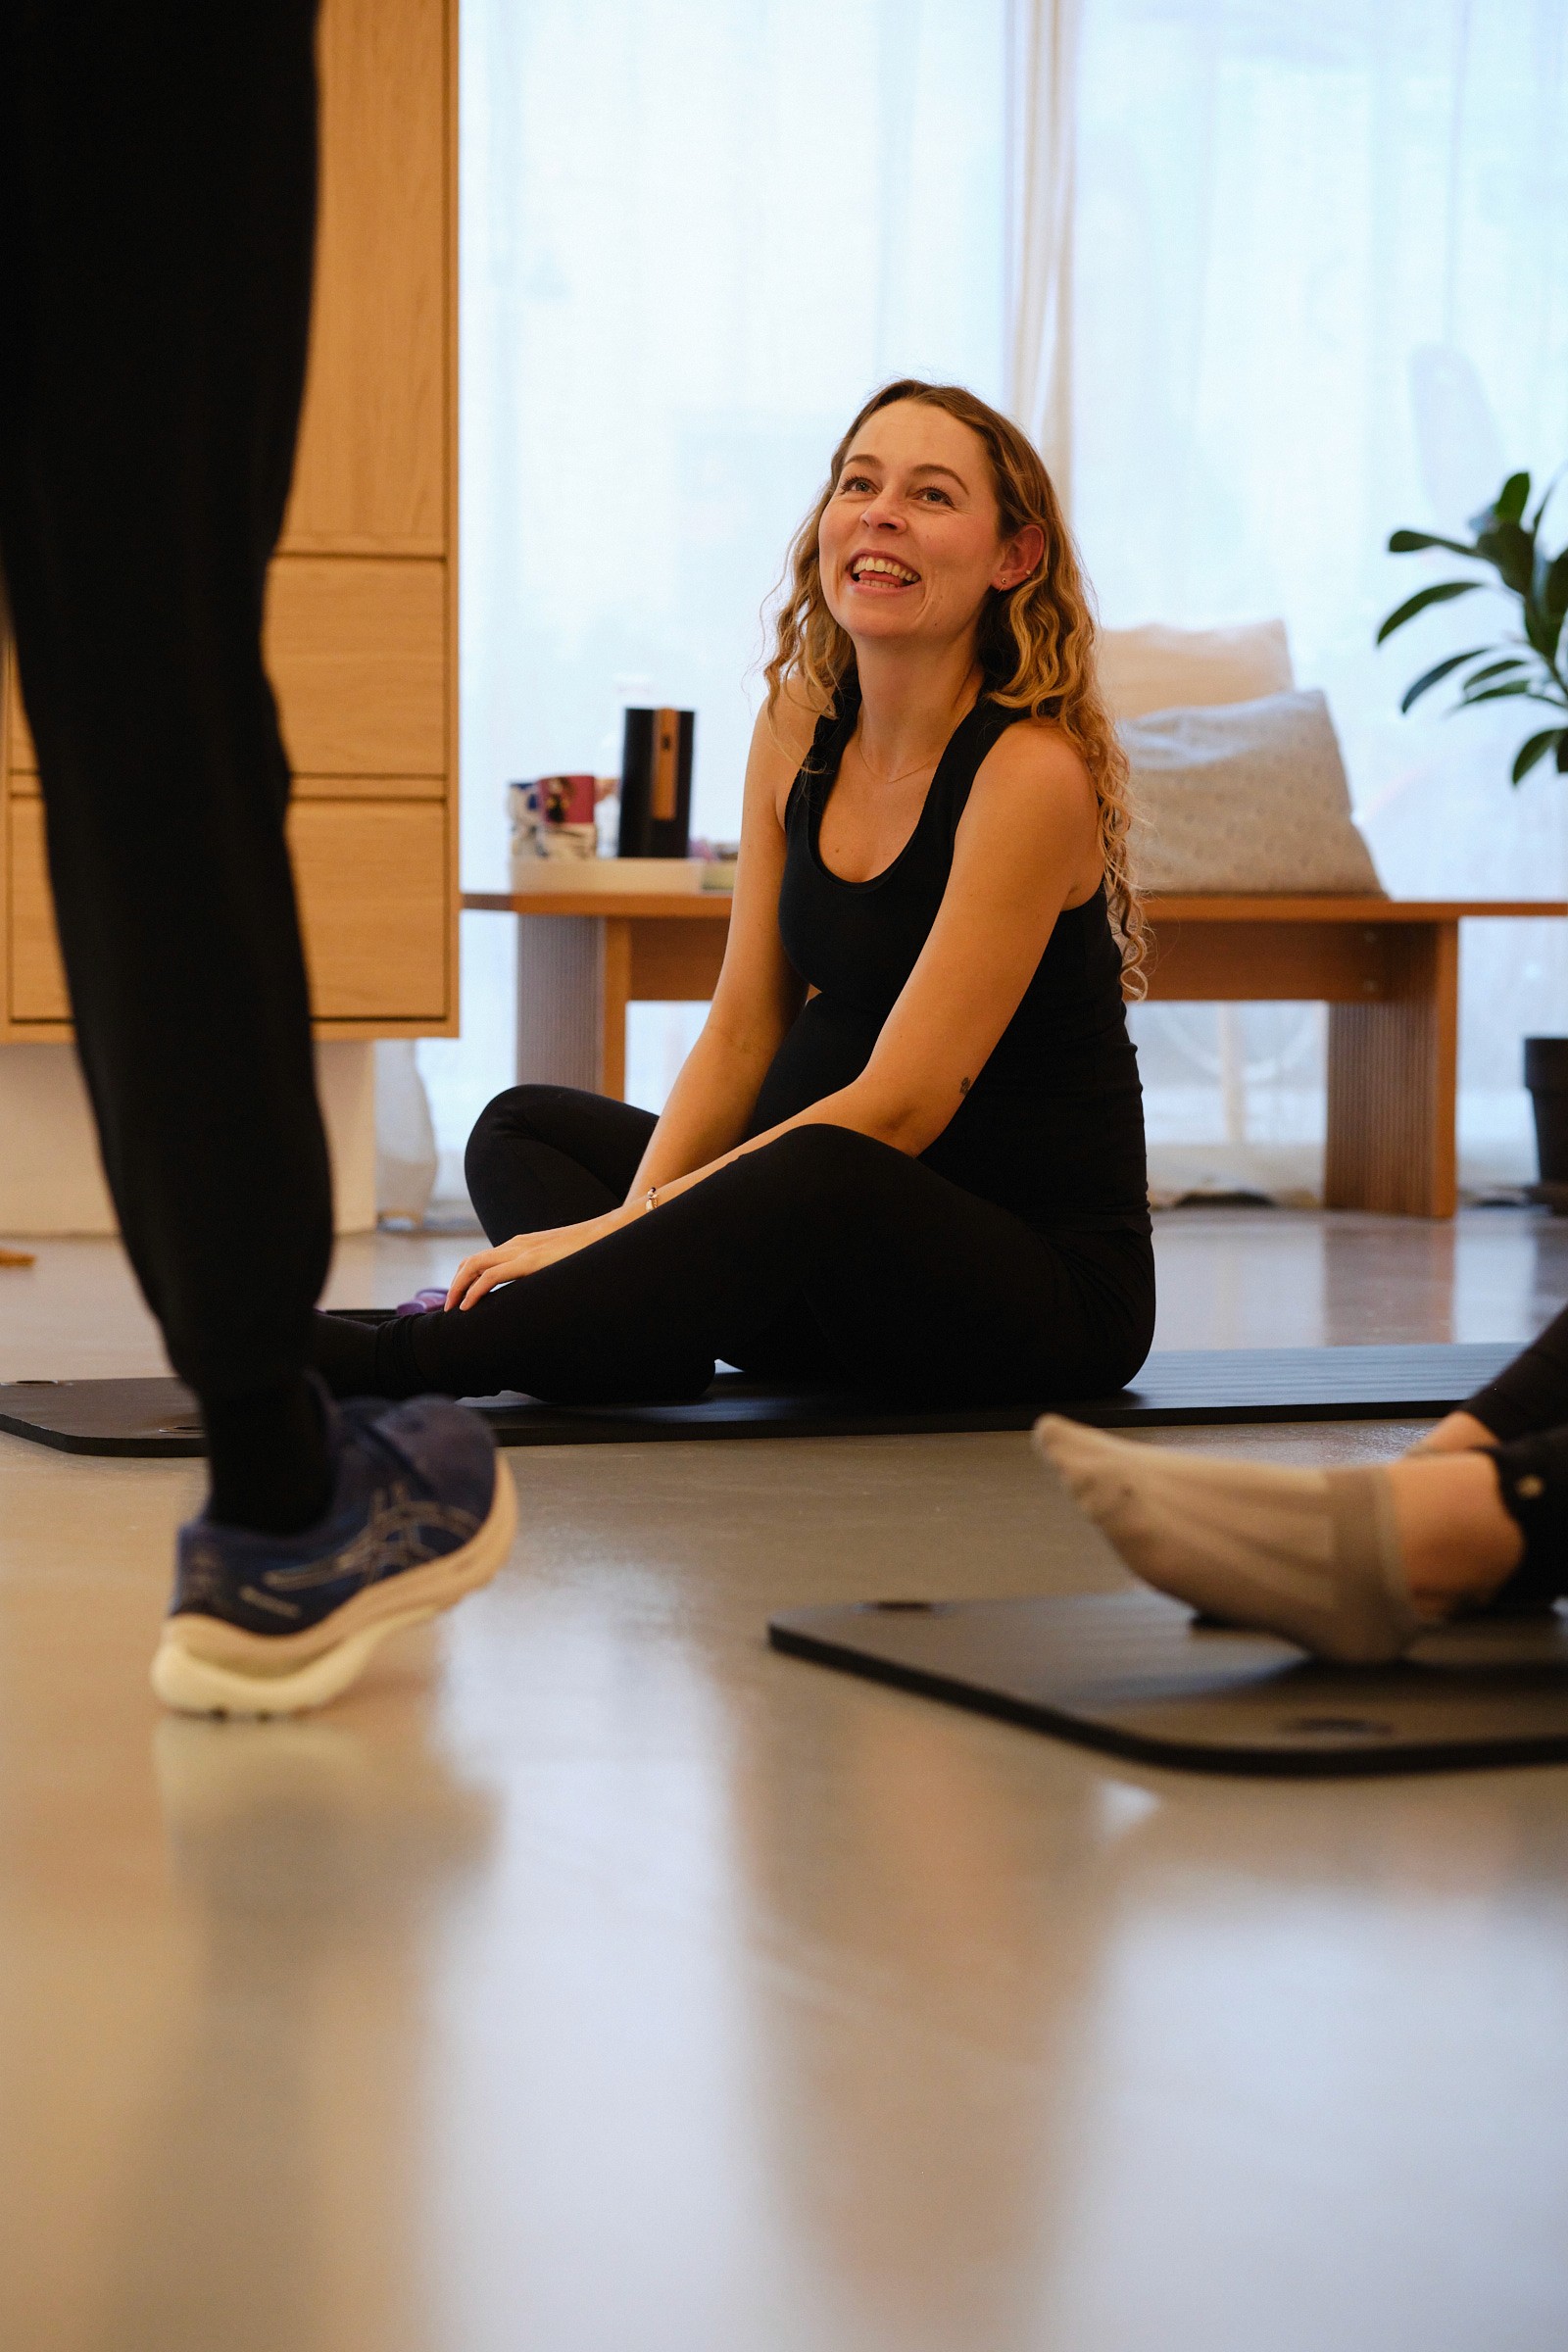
(422, 1302)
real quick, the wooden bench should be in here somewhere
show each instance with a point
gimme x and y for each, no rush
(1386, 969)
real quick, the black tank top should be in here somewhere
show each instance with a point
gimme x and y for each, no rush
(1053, 1127)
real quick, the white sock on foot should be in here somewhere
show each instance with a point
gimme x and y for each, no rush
(1313, 1554)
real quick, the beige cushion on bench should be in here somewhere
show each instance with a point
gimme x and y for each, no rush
(1156, 669)
(1246, 799)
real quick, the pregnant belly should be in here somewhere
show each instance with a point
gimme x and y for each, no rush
(826, 1047)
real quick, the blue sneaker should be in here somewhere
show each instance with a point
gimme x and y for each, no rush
(423, 1510)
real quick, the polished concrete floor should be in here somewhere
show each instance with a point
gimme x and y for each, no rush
(596, 1980)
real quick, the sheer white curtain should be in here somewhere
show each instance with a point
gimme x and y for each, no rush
(693, 237)
(1043, 46)
(1320, 291)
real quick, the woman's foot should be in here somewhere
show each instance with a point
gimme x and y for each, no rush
(1352, 1564)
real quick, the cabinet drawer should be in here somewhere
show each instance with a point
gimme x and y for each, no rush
(356, 651)
(37, 976)
(373, 905)
(373, 886)
(372, 468)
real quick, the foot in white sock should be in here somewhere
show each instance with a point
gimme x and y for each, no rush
(1313, 1554)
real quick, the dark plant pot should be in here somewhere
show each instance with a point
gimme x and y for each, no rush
(1547, 1076)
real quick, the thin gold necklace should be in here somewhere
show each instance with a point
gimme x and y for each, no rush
(887, 782)
(884, 783)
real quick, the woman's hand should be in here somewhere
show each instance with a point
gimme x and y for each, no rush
(526, 1253)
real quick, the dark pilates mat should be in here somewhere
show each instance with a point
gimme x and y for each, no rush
(1200, 1386)
(1136, 1674)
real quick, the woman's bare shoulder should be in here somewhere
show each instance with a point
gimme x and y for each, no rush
(1036, 747)
(1034, 808)
(780, 740)
(789, 721)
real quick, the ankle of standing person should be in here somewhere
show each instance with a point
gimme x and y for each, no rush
(268, 1458)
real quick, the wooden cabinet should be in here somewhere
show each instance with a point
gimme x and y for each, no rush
(373, 878)
(361, 599)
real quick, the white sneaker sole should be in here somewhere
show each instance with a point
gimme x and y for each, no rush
(204, 1666)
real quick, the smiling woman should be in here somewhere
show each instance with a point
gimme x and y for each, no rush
(906, 1152)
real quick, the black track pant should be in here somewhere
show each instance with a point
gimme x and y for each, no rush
(157, 220)
(823, 1256)
(1527, 1407)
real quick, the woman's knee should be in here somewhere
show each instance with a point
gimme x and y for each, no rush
(522, 1115)
(841, 1193)
(836, 1164)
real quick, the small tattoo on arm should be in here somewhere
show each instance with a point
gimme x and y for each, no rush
(963, 1086)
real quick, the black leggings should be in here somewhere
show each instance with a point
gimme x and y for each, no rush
(157, 223)
(822, 1257)
(1527, 1407)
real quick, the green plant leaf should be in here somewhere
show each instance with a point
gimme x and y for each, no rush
(1536, 749)
(1512, 549)
(1493, 694)
(1405, 543)
(1495, 669)
(1542, 629)
(1511, 498)
(1442, 594)
(1431, 677)
(1551, 592)
(1544, 500)
(1562, 752)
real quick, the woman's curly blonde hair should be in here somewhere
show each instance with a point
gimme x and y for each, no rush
(1035, 642)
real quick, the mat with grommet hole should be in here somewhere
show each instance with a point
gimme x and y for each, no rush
(1134, 1674)
(1215, 1386)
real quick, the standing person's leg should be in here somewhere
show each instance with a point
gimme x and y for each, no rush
(158, 175)
(546, 1155)
(157, 203)
(837, 1250)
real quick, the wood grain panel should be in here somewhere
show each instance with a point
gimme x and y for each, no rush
(674, 962)
(26, 787)
(374, 899)
(36, 975)
(374, 896)
(357, 650)
(1393, 1075)
(1333, 963)
(371, 470)
(18, 735)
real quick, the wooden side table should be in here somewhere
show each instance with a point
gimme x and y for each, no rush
(1388, 970)
(587, 948)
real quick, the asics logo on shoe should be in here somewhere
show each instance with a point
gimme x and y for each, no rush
(403, 1531)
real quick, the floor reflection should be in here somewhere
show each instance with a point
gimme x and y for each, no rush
(279, 2199)
(1285, 1278)
(913, 2095)
(1052, 2009)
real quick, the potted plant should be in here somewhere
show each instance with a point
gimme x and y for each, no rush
(1526, 666)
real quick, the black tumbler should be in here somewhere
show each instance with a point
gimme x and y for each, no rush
(656, 783)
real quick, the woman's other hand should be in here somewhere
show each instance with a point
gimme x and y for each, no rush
(526, 1253)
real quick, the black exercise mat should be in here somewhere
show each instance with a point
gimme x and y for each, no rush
(1134, 1674)
(1211, 1385)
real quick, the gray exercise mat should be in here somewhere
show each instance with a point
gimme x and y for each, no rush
(1205, 1386)
(1133, 1673)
